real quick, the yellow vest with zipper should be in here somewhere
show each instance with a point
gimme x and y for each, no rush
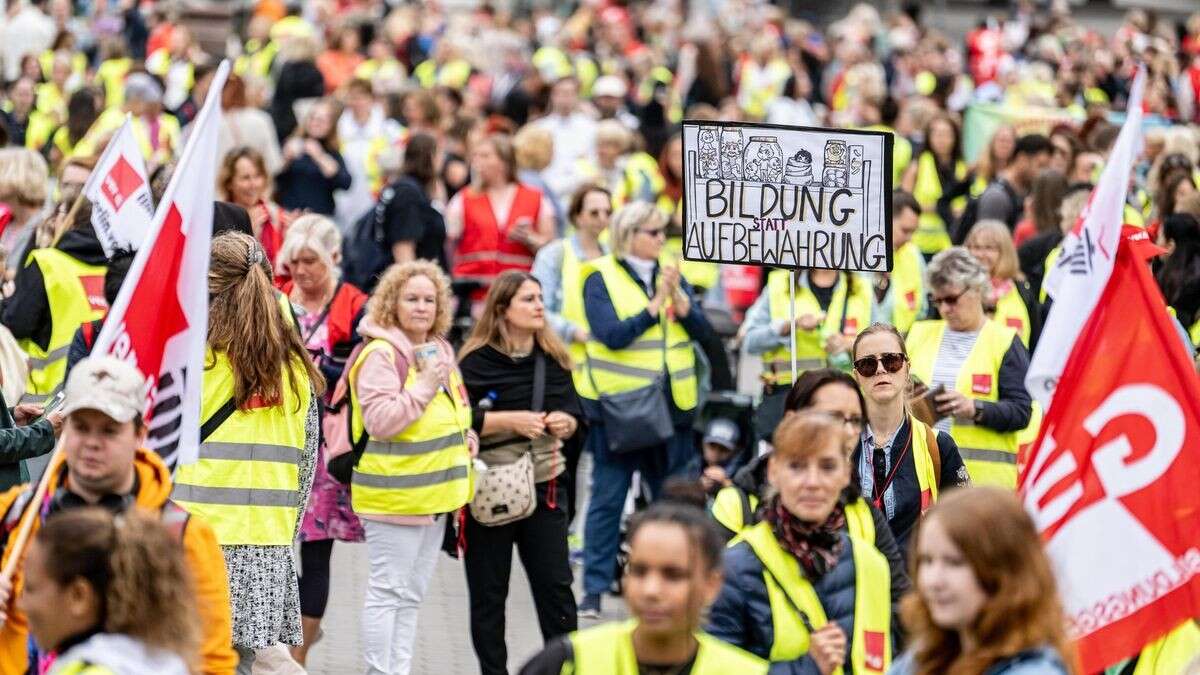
(990, 456)
(927, 478)
(424, 469)
(1011, 312)
(810, 344)
(727, 510)
(75, 295)
(246, 484)
(908, 287)
(787, 590)
(640, 363)
(931, 235)
(572, 310)
(608, 650)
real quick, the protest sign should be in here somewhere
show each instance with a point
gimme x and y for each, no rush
(982, 119)
(794, 197)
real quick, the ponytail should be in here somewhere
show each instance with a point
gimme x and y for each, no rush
(137, 570)
(246, 323)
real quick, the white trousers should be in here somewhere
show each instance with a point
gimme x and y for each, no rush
(402, 558)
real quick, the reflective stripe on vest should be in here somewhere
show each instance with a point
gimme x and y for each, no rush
(608, 650)
(622, 370)
(810, 344)
(907, 287)
(990, 456)
(571, 285)
(485, 250)
(75, 295)
(1011, 312)
(246, 483)
(424, 469)
(931, 235)
(788, 591)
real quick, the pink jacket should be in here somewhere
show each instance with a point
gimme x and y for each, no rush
(387, 405)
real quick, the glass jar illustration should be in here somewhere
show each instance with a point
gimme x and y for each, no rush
(763, 160)
(708, 164)
(731, 153)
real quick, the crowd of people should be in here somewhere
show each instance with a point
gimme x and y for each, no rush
(448, 312)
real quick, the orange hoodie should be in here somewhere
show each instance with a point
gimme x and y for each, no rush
(204, 558)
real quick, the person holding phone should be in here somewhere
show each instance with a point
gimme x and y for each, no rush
(903, 464)
(313, 169)
(980, 363)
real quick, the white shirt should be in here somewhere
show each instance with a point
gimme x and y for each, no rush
(356, 139)
(574, 139)
(30, 31)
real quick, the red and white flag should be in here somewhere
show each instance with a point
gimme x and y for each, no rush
(1111, 480)
(119, 191)
(159, 321)
(1088, 251)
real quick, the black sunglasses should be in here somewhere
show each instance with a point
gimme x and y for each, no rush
(892, 362)
(945, 299)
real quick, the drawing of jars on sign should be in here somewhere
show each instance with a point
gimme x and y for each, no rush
(836, 170)
(709, 165)
(731, 154)
(763, 160)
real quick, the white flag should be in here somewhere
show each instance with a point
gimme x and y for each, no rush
(119, 191)
(159, 321)
(1088, 252)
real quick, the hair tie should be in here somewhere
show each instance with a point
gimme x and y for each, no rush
(254, 256)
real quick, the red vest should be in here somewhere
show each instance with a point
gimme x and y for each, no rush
(485, 249)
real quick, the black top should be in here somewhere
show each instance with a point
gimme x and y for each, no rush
(297, 80)
(27, 312)
(491, 374)
(302, 185)
(410, 216)
(560, 651)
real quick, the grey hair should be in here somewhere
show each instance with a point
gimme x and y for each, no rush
(626, 222)
(955, 266)
(316, 233)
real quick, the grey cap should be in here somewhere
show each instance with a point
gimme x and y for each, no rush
(722, 432)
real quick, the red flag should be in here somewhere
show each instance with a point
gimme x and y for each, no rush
(1111, 481)
(159, 321)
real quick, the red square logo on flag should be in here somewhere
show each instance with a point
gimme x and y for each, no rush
(981, 383)
(120, 183)
(1014, 323)
(874, 645)
(910, 298)
(93, 288)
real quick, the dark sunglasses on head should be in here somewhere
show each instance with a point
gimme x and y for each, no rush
(892, 362)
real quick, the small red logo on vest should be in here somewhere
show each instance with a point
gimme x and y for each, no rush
(910, 298)
(981, 383)
(93, 288)
(851, 327)
(120, 182)
(1015, 323)
(874, 646)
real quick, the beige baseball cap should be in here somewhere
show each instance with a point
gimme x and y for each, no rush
(108, 385)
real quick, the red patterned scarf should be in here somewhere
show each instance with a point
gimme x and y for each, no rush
(816, 546)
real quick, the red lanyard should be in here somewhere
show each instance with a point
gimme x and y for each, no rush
(879, 491)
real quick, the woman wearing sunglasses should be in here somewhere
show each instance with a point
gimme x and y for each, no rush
(903, 465)
(975, 368)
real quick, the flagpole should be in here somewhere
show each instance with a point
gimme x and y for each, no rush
(792, 318)
(26, 525)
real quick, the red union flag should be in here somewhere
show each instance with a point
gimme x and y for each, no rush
(1111, 480)
(120, 194)
(159, 321)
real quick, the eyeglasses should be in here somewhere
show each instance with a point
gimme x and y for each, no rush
(946, 299)
(868, 366)
(854, 422)
(657, 232)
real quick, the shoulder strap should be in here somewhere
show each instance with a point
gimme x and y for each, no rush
(539, 380)
(218, 418)
(747, 512)
(175, 518)
(305, 337)
(935, 453)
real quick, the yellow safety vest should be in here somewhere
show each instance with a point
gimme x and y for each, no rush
(990, 456)
(424, 469)
(246, 484)
(701, 275)
(908, 287)
(256, 58)
(573, 311)
(810, 344)
(111, 74)
(39, 129)
(78, 63)
(902, 151)
(1194, 332)
(931, 236)
(552, 63)
(790, 593)
(608, 650)
(453, 74)
(641, 363)
(640, 180)
(75, 294)
(1027, 436)
(1011, 312)
(927, 478)
(754, 100)
(1170, 654)
(52, 101)
(81, 667)
(1051, 258)
(169, 135)
(734, 509)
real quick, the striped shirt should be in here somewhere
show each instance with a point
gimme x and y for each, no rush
(952, 354)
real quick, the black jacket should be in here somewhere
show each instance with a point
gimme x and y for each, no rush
(18, 443)
(27, 312)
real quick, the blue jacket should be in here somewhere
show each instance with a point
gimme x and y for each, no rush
(741, 614)
(1044, 661)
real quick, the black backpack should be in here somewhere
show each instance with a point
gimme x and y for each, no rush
(365, 255)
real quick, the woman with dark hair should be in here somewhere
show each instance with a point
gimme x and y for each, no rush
(934, 175)
(83, 109)
(413, 228)
(518, 376)
(313, 168)
(1179, 275)
(1041, 206)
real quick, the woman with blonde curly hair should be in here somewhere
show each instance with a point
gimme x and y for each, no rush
(110, 591)
(258, 445)
(411, 424)
(986, 600)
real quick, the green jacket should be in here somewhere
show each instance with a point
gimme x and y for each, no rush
(20, 443)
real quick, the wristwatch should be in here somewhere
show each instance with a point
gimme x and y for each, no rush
(978, 416)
